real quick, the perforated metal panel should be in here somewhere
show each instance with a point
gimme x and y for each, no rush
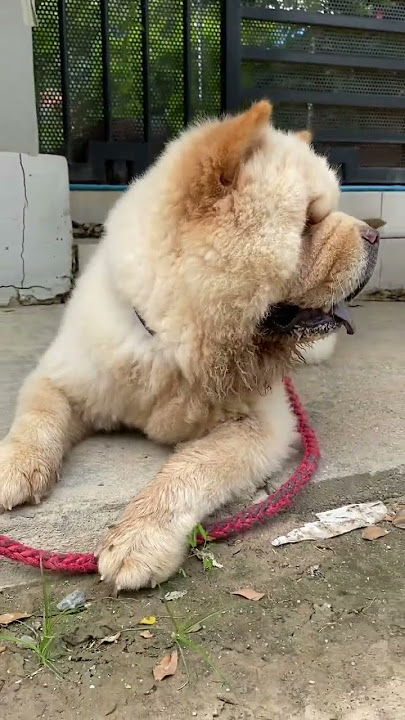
(117, 78)
(384, 9)
(48, 79)
(321, 79)
(337, 67)
(123, 71)
(126, 69)
(311, 39)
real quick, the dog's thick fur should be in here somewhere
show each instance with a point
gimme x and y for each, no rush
(213, 235)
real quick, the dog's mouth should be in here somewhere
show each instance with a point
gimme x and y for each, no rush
(301, 323)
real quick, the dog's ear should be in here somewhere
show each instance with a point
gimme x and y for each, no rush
(306, 136)
(237, 138)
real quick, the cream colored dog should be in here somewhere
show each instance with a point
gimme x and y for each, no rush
(216, 266)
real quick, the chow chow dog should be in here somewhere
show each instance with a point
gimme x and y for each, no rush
(217, 267)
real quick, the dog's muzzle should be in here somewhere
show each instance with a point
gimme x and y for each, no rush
(301, 323)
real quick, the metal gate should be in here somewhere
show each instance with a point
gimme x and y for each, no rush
(117, 78)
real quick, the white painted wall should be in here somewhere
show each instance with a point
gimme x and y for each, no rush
(18, 119)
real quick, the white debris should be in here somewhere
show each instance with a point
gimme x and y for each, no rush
(175, 595)
(75, 599)
(336, 522)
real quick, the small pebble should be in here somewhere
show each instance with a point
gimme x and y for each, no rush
(28, 640)
(72, 601)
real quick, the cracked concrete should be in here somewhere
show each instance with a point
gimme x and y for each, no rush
(356, 402)
(35, 229)
(25, 206)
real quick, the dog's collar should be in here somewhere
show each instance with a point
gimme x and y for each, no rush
(142, 321)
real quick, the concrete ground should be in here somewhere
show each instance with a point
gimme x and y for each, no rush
(356, 402)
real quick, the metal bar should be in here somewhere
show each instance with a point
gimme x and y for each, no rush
(301, 17)
(368, 137)
(317, 97)
(187, 111)
(230, 58)
(352, 61)
(376, 175)
(64, 72)
(106, 64)
(145, 70)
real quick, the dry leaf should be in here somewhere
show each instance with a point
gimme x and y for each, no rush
(399, 520)
(390, 517)
(195, 628)
(110, 638)
(148, 620)
(146, 634)
(167, 666)
(373, 532)
(8, 618)
(3, 648)
(249, 594)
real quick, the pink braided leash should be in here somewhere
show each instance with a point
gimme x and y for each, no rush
(232, 525)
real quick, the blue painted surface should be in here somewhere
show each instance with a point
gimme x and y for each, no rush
(345, 188)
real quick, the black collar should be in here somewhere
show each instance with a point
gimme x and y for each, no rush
(141, 320)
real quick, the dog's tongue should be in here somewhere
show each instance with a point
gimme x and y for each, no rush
(341, 312)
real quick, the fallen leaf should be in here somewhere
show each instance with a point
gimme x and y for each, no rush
(390, 517)
(249, 594)
(175, 595)
(148, 620)
(399, 520)
(373, 532)
(110, 638)
(8, 618)
(167, 666)
(3, 648)
(146, 634)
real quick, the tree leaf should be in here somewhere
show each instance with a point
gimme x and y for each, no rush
(373, 532)
(399, 520)
(8, 618)
(110, 638)
(249, 594)
(146, 634)
(167, 666)
(148, 620)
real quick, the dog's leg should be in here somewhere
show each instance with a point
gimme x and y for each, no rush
(44, 428)
(149, 542)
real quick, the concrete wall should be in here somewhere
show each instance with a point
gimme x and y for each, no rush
(35, 228)
(93, 206)
(18, 120)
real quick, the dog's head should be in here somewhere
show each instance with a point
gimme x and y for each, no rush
(242, 238)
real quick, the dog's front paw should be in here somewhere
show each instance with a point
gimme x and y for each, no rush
(139, 553)
(24, 476)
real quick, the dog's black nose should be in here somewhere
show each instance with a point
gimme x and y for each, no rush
(370, 235)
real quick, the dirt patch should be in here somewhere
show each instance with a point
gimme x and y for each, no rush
(326, 642)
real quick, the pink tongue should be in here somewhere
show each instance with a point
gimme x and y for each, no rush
(341, 312)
